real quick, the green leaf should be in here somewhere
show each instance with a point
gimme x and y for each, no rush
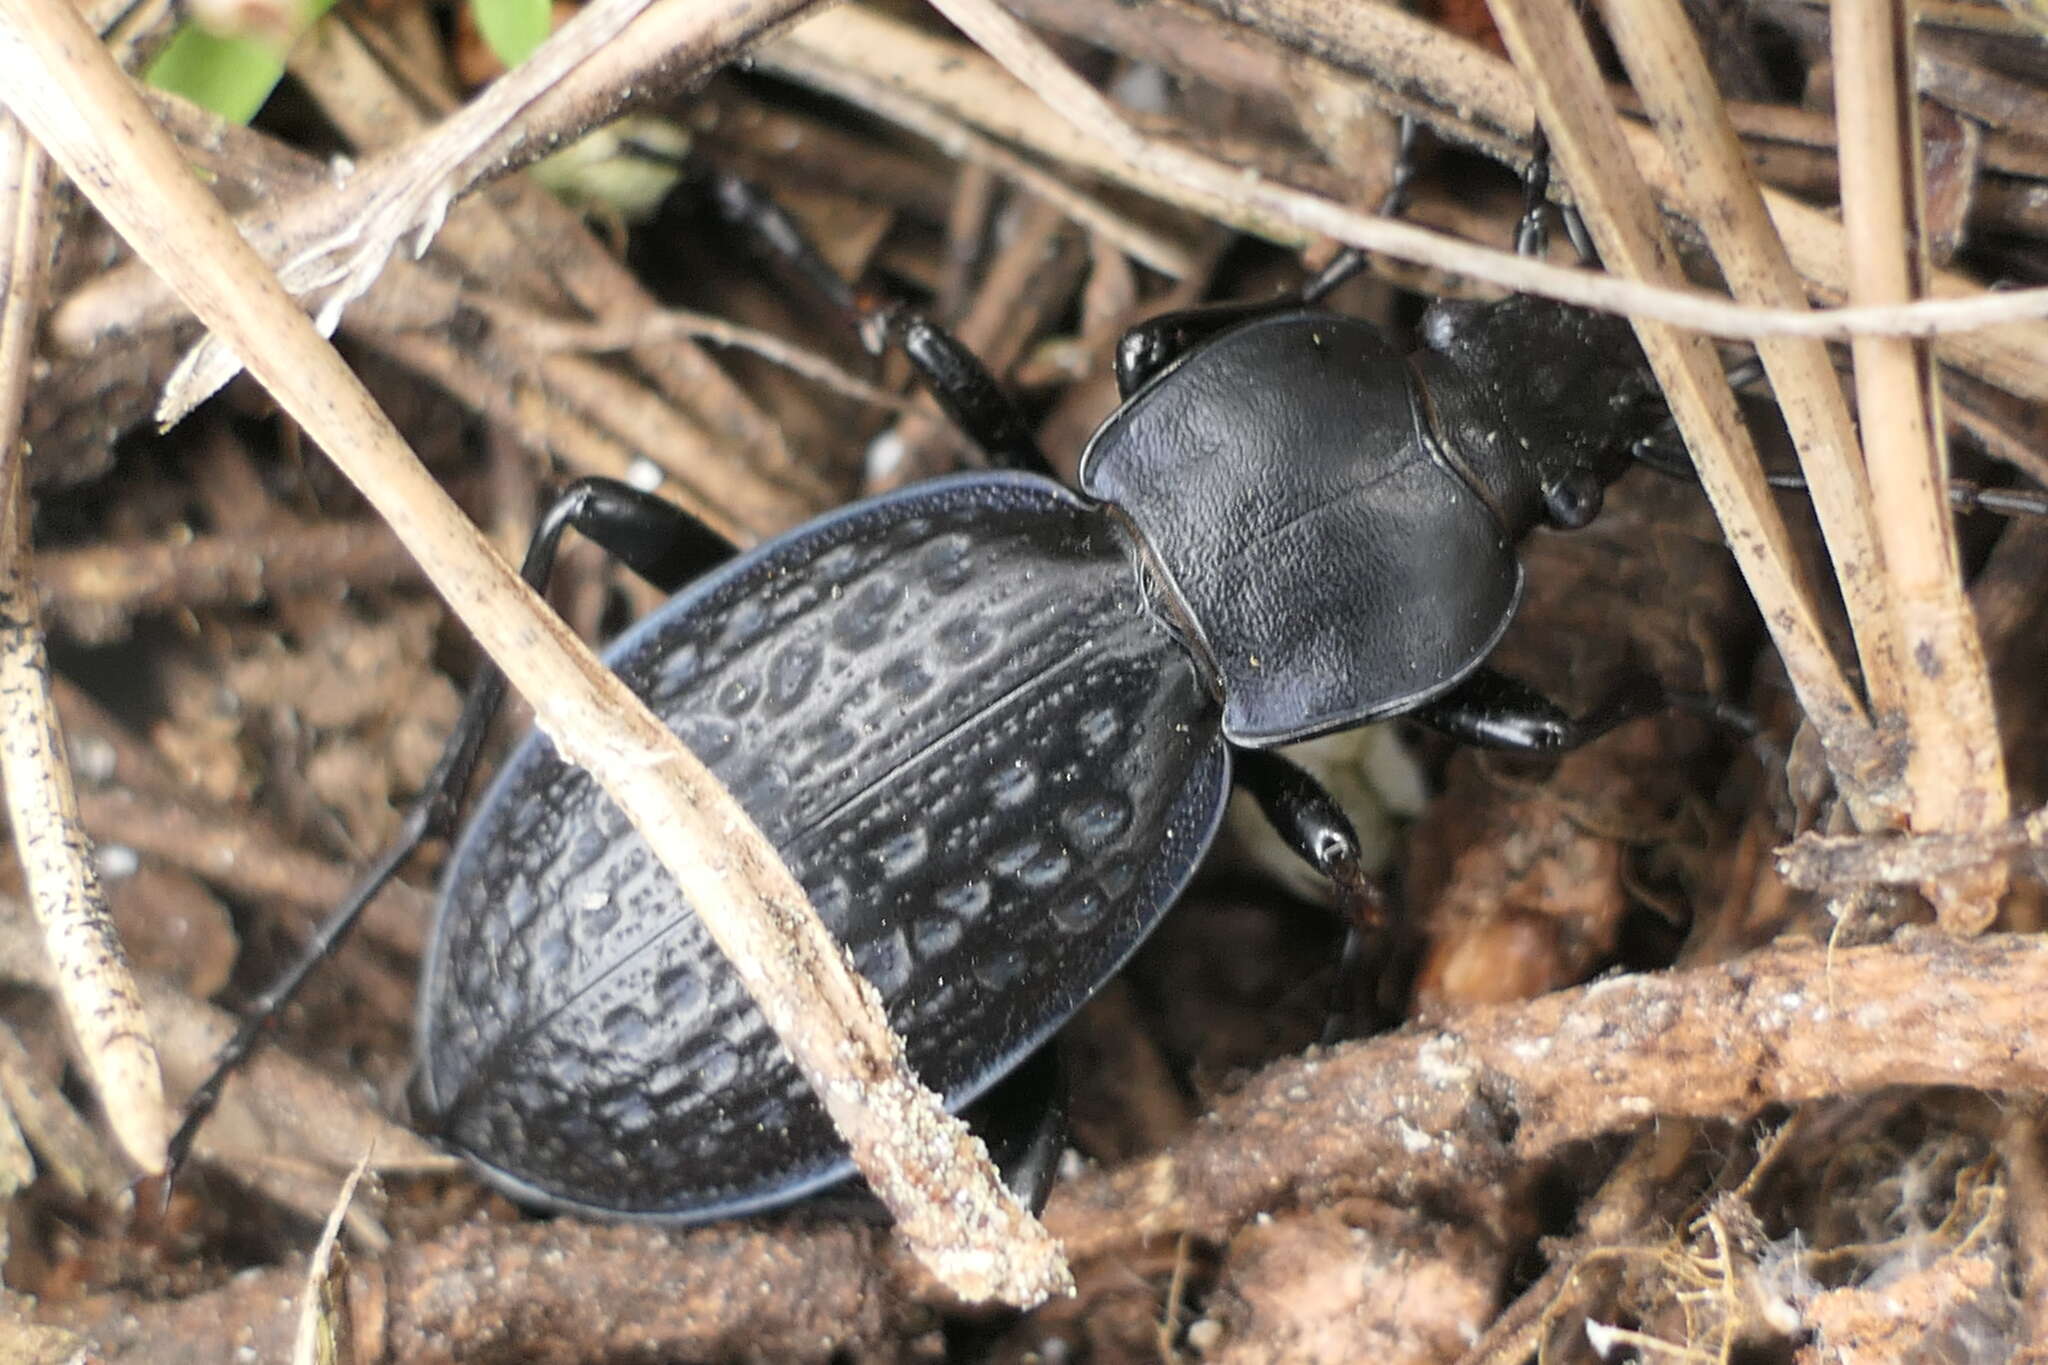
(230, 76)
(513, 28)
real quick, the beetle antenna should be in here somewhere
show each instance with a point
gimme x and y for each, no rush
(1663, 454)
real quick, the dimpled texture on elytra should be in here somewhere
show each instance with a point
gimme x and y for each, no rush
(986, 760)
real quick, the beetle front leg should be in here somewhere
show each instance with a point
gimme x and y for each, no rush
(1309, 819)
(656, 539)
(1393, 204)
(1495, 710)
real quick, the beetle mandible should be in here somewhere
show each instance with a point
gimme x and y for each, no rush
(991, 722)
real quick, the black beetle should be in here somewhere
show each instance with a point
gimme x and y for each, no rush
(991, 722)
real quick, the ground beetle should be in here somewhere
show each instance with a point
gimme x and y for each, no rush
(991, 723)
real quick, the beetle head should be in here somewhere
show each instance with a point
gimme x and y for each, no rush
(1570, 388)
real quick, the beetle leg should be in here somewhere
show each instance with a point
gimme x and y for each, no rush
(1533, 231)
(747, 207)
(649, 535)
(1496, 710)
(1393, 204)
(1023, 1119)
(658, 540)
(1663, 453)
(970, 395)
(1154, 344)
(1314, 826)
(972, 398)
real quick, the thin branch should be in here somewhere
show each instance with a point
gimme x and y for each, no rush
(1466, 1102)
(543, 333)
(97, 591)
(1817, 862)
(1469, 1099)
(97, 991)
(957, 139)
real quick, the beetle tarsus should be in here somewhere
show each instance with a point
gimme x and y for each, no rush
(1351, 259)
(653, 536)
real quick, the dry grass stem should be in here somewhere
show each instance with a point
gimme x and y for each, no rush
(73, 1153)
(956, 138)
(337, 268)
(1954, 767)
(953, 77)
(933, 1175)
(98, 994)
(326, 1326)
(1468, 94)
(671, 404)
(95, 592)
(1657, 41)
(669, 324)
(1550, 47)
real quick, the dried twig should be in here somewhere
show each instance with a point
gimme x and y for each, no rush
(412, 202)
(73, 1154)
(950, 75)
(243, 854)
(1955, 771)
(558, 1291)
(956, 138)
(524, 248)
(1473, 96)
(1664, 56)
(1817, 862)
(668, 324)
(1457, 1104)
(98, 995)
(326, 1330)
(931, 1173)
(1551, 48)
(95, 592)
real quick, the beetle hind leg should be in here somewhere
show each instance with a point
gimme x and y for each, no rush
(655, 538)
